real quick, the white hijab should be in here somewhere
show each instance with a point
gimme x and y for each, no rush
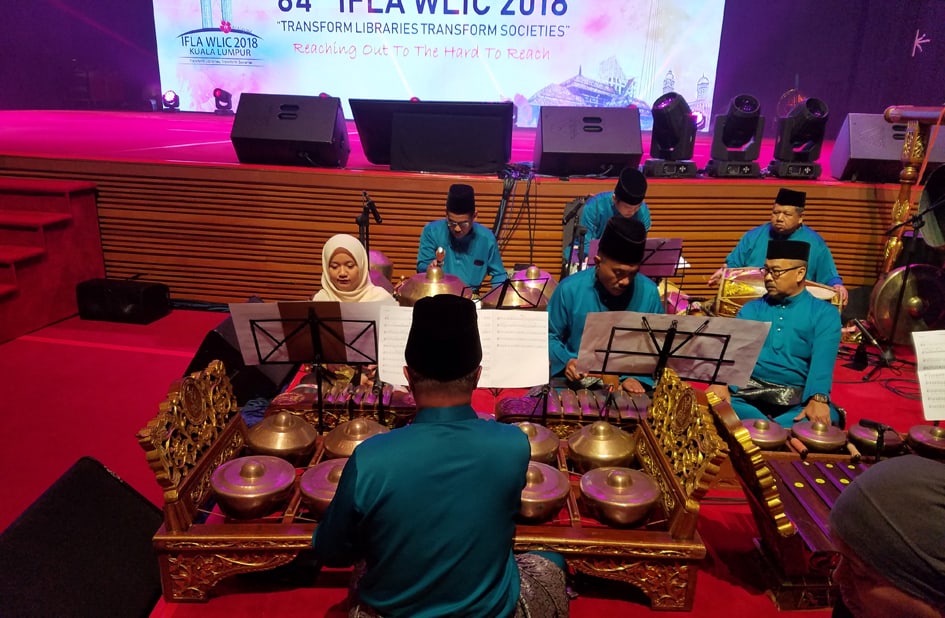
(365, 291)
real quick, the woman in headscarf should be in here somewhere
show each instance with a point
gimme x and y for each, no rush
(345, 273)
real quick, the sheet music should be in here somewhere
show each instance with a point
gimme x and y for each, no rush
(514, 346)
(930, 366)
(929, 349)
(735, 342)
(281, 333)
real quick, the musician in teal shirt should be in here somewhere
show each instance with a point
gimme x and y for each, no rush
(626, 200)
(787, 223)
(794, 374)
(614, 284)
(471, 251)
(430, 508)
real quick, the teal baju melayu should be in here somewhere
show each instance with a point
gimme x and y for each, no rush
(580, 294)
(752, 249)
(800, 351)
(430, 552)
(470, 258)
(598, 210)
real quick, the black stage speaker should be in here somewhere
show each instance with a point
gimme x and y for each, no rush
(83, 548)
(122, 300)
(283, 129)
(248, 381)
(573, 141)
(869, 149)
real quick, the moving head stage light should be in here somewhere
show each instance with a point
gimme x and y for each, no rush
(673, 139)
(800, 137)
(736, 140)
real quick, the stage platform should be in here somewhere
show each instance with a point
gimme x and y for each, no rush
(176, 206)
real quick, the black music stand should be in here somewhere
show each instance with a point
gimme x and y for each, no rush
(701, 349)
(524, 296)
(661, 257)
(307, 332)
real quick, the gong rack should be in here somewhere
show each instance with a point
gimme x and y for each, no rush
(198, 427)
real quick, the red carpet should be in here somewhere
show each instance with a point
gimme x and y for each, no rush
(85, 388)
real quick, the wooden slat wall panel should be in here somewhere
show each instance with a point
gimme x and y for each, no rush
(221, 233)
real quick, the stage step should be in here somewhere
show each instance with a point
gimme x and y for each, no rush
(12, 255)
(49, 242)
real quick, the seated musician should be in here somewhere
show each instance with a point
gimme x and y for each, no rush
(888, 525)
(614, 284)
(345, 273)
(471, 248)
(787, 223)
(794, 373)
(430, 508)
(626, 200)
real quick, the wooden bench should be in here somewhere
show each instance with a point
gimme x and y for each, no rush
(198, 428)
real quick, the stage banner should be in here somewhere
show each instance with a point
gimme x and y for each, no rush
(606, 53)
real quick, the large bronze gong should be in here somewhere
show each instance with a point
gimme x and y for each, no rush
(922, 307)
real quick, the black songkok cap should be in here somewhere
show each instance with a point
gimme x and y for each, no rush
(623, 240)
(631, 186)
(788, 250)
(443, 343)
(461, 200)
(789, 197)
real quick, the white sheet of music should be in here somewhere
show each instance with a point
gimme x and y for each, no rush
(930, 367)
(514, 346)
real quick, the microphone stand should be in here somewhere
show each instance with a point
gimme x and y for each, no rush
(363, 220)
(886, 357)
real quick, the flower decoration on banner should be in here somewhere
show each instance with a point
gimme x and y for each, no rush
(226, 26)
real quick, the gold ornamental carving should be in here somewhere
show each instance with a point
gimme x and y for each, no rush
(194, 414)
(919, 121)
(686, 435)
(749, 462)
(191, 576)
(667, 585)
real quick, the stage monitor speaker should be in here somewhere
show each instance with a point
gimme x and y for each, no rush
(282, 129)
(83, 548)
(597, 141)
(869, 149)
(122, 300)
(248, 381)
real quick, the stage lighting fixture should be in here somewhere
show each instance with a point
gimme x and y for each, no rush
(171, 101)
(736, 140)
(799, 139)
(672, 140)
(222, 101)
(700, 120)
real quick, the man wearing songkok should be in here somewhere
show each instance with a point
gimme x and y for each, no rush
(427, 511)
(471, 249)
(787, 223)
(889, 527)
(614, 284)
(626, 200)
(794, 374)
